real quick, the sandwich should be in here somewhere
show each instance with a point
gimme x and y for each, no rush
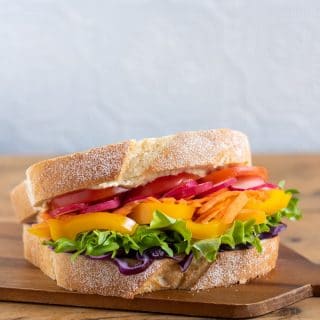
(187, 211)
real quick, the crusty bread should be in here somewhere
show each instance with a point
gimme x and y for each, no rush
(25, 212)
(129, 164)
(102, 277)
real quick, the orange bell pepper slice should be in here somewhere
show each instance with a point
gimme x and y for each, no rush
(143, 213)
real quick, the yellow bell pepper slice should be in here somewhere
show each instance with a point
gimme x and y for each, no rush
(69, 227)
(40, 230)
(143, 213)
(247, 214)
(89, 221)
(209, 230)
(276, 200)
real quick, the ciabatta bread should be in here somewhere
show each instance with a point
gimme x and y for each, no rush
(21, 204)
(129, 164)
(102, 276)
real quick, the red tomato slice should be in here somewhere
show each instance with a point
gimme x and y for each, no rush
(160, 185)
(85, 196)
(235, 172)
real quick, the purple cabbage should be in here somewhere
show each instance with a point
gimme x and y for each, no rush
(241, 246)
(273, 232)
(156, 253)
(185, 262)
(127, 269)
(143, 261)
(123, 265)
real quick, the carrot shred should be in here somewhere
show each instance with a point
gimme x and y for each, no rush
(205, 218)
(219, 198)
(127, 208)
(217, 211)
(220, 215)
(235, 207)
(211, 195)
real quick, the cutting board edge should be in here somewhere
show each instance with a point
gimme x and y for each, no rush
(218, 310)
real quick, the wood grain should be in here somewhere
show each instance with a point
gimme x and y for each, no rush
(302, 172)
(305, 309)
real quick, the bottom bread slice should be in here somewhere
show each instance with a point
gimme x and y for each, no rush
(102, 276)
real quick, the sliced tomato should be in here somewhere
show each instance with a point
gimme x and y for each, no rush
(85, 196)
(160, 185)
(235, 172)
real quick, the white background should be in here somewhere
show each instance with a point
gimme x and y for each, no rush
(77, 74)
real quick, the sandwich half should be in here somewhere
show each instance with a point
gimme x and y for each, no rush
(186, 211)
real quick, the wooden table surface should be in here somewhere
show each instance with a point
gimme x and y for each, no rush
(299, 171)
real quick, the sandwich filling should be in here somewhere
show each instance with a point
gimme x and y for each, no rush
(183, 217)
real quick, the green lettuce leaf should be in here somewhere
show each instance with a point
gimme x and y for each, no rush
(207, 248)
(148, 238)
(162, 232)
(292, 211)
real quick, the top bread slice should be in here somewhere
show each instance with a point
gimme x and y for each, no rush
(129, 164)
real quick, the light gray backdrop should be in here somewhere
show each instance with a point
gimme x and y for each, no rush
(76, 74)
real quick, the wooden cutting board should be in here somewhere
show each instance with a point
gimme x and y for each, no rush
(295, 278)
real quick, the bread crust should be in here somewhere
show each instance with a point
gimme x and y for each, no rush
(129, 164)
(238, 266)
(22, 207)
(52, 177)
(102, 277)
